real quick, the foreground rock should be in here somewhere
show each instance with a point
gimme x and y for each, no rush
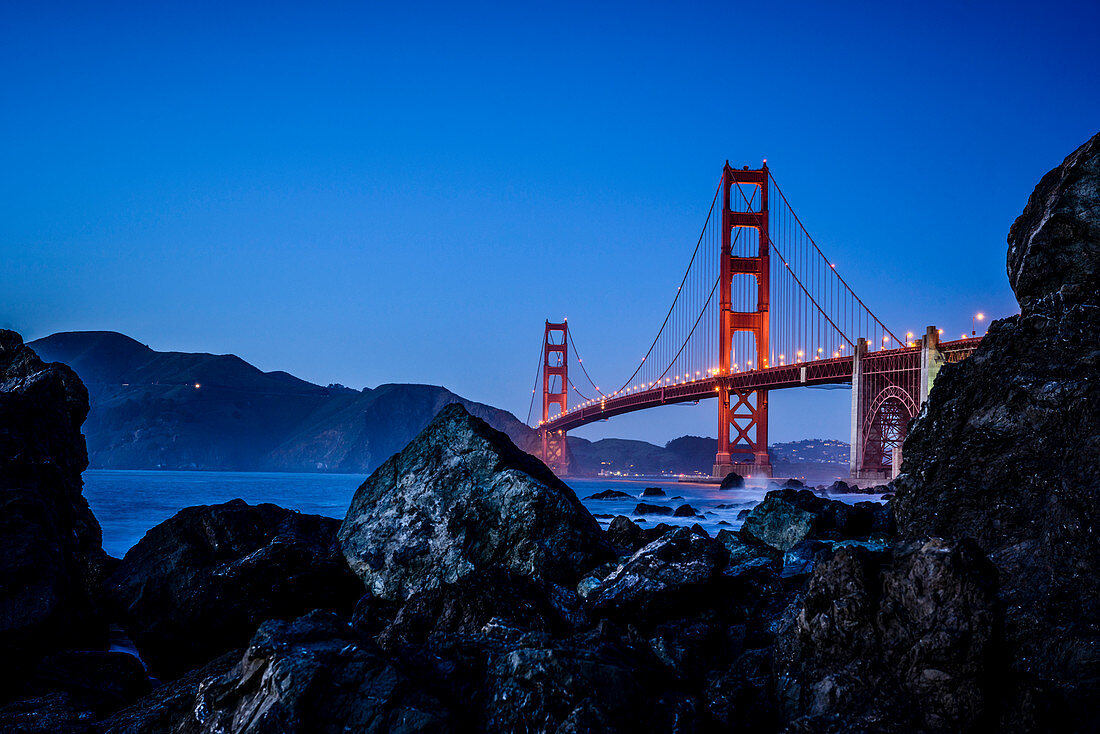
(893, 642)
(51, 555)
(1007, 451)
(459, 498)
(787, 517)
(200, 583)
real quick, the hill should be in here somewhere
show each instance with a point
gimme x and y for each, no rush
(180, 410)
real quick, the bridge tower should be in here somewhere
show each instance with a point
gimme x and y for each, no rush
(743, 414)
(555, 391)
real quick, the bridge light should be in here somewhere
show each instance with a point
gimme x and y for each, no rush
(799, 353)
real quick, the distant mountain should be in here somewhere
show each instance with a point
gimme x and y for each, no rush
(181, 410)
(178, 410)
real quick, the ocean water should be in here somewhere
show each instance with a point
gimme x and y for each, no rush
(128, 503)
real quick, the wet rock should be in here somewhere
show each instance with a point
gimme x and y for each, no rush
(660, 577)
(644, 508)
(800, 559)
(494, 596)
(168, 704)
(841, 487)
(747, 557)
(685, 511)
(653, 492)
(902, 643)
(51, 555)
(733, 480)
(609, 494)
(788, 516)
(659, 530)
(742, 514)
(778, 523)
(567, 688)
(1005, 451)
(625, 534)
(459, 498)
(201, 582)
(313, 674)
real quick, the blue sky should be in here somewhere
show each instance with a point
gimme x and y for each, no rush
(366, 194)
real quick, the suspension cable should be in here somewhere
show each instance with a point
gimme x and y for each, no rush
(678, 290)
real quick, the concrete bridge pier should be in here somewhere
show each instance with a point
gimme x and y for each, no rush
(888, 389)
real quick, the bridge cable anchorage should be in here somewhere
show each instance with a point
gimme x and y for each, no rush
(678, 290)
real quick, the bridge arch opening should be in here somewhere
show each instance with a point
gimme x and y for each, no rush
(884, 429)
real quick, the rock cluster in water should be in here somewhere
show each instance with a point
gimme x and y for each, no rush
(468, 590)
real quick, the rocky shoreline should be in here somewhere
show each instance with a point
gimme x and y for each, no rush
(468, 589)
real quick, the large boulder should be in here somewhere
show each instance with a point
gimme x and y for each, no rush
(459, 498)
(1007, 451)
(51, 554)
(200, 583)
(789, 516)
(901, 644)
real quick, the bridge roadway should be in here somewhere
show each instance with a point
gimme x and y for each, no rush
(831, 371)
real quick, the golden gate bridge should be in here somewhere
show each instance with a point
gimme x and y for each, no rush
(759, 308)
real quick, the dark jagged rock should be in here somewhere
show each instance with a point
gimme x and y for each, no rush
(685, 511)
(51, 555)
(69, 691)
(569, 688)
(653, 492)
(461, 497)
(494, 597)
(747, 557)
(789, 516)
(733, 480)
(168, 704)
(778, 522)
(1006, 452)
(661, 576)
(201, 582)
(893, 644)
(841, 487)
(742, 514)
(609, 494)
(313, 674)
(644, 508)
(800, 559)
(624, 534)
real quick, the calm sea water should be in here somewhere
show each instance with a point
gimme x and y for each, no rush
(128, 503)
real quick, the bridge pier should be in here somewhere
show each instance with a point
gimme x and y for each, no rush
(887, 392)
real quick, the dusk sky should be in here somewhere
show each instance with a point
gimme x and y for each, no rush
(364, 194)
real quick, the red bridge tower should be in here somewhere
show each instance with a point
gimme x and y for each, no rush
(743, 414)
(555, 391)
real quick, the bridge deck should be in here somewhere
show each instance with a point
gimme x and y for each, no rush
(805, 374)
